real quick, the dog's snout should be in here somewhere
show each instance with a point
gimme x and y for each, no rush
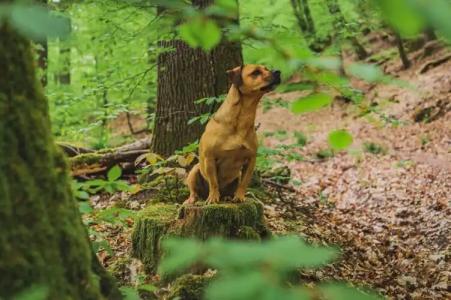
(276, 72)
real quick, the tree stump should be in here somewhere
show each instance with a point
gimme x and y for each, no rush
(228, 220)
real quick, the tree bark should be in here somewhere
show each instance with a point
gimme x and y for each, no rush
(184, 76)
(43, 241)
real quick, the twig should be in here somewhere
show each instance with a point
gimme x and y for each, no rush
(285, 187)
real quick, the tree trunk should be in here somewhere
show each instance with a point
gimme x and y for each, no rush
(43, 241)
(300, 17)
(63, 76)
(43, 53)
(308, 17)
(402, 52)
(43, 61)
(340, 23)
(184, 76)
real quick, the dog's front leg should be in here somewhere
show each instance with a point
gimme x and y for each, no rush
(211, 175)
(246, 177)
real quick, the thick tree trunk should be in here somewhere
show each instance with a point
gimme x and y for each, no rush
(184, 76)
(42, 239)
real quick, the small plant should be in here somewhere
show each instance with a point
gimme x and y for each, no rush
(210, 101)
(301, 138)
(324, 154)
(425, 140)
(255, 270)
(166, 175)
(111, 185)
(269, 104)
(373, 148)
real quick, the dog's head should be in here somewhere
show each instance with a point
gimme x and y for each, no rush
(254, 79)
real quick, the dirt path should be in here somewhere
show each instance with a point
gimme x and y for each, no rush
(389, 212)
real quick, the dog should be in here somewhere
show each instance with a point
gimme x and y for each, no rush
(228, 146)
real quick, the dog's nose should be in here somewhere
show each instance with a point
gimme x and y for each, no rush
(276, 76)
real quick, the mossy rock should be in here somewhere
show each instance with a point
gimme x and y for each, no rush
(189, 287)
(228, 220)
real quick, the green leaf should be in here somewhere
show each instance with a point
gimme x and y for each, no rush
(180, 254)
(147, 287)
(340, 139)
(114, 173)
(200, 32)
(84, 207)
(337, 291)
(437, 14)
(326, 63)
(102, 244)
(129, 293)
(82, 195)
(403, 16)
(311, 103)
(38, 23)
(369, 73)
(246, 285)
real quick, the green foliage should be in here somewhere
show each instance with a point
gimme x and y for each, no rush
(35, 21)
(311, 103)
(166, 175)
(325, 154)
(130, 293)
(200, 32)
(254, 270)
(339, 139)
(301, 138)
(410, 17)
(111, 61)
(115, 215)
(210, 101)
(112, 185)
(373, 148)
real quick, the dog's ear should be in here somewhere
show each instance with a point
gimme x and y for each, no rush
(235, 76)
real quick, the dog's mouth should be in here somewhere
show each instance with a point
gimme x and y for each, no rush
(274, 82)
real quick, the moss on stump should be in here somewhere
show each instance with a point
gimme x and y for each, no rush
(228, 220)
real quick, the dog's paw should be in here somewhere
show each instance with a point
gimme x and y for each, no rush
(239, 196)
(190, 201)
(213, 198)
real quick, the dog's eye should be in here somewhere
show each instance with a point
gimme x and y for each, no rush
(256, 73)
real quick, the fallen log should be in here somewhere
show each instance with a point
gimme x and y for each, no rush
(72, 150)
(96, 163)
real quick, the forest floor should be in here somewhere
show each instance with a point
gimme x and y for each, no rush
(385, 205)
(384, 202)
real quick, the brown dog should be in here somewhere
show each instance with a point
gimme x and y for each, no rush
(228, 147)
